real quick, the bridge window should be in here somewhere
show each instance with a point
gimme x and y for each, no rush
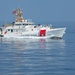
(8, 29)
(11, 30)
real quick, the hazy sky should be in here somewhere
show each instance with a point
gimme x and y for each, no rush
(39, 10)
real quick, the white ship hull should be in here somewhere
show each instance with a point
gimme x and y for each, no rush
(51, 33)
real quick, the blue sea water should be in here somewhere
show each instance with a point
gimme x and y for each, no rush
(39, 56)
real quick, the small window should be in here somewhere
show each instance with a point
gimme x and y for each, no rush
(35, 26)
(11, 30)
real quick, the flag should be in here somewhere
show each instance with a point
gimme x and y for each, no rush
(14, 12)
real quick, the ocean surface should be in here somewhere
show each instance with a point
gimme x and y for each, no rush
(39, 56)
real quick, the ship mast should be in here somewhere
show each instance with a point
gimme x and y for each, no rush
(19, 16)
